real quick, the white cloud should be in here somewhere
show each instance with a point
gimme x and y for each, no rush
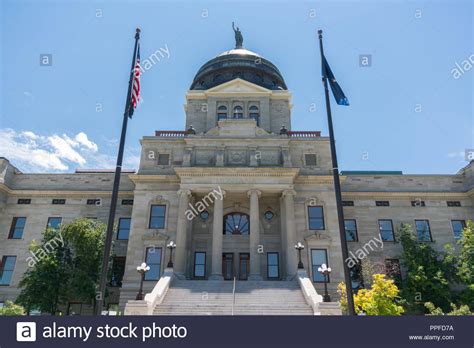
(33, 152)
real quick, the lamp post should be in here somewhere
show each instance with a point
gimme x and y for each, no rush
(142, 269)
(171, 245)
(325, 271)
(299, 246)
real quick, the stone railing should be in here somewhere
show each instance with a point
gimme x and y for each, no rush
(171, 133)
(152, 299)
(304, 134)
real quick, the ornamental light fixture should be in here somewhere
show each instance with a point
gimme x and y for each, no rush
(299, 246)
(325, 271)
(142, 269)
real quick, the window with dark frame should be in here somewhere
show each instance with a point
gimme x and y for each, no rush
(153, 259)
(236, 223)
(423, 231)
(157, 216)
(393, 270)
(238, 112)
(221, 112)
(458, 227)
(199, 264)
(58, 201)
(164, 159)
(17, 228)
(315, 218)
(386, 230)
(94, 201)
(350, 225)
(273, 265)
(347, 203)
(254, 114)
(382, 203)
(453, 203)
(24, 201)
(123, 231)
(7, 266)
(310, 159)
(417, 203)
(318, 257)
(54, 222)
(118, 270)
(127, 201)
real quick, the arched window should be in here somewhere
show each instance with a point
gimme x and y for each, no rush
(236, 223)
(238, 112)
(254, 113)
(222, 112)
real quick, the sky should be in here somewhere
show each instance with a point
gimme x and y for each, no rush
(410, 110)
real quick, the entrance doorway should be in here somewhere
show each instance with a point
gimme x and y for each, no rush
(244, 266)
(228, 266)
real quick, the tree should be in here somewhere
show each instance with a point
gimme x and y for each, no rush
(381, 299)
(462, 310)
(65, 267)
(465, 264)
(12, 309)
(428, 273)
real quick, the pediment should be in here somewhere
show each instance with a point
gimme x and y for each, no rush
(238, 86)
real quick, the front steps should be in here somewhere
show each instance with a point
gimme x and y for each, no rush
(214, 297)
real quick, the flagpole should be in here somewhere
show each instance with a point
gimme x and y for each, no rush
(113, 203)
(337, 189)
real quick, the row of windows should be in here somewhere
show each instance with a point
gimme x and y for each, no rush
(416, 203)
(18, 226)
(423, 230)
(60, 201)
(238, 112)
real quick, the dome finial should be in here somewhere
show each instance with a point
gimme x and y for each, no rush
(239, 39)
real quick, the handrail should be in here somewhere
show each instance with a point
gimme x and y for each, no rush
(233, 297)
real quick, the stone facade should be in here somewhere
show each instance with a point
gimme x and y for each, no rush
(233, 165)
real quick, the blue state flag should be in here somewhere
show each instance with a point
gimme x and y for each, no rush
(336, 89)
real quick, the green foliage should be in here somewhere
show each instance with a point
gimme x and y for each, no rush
(465, 264)
(66, 266)
(461, 310)
(428, 273)
(12, 309)
(381, 299)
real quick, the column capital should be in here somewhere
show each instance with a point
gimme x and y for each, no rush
(184, 192)
(288, 192)
(219, 191)
(254, 191)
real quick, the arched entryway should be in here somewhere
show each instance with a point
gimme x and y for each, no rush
(236, 264)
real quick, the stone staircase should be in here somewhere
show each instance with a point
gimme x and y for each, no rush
(214, 297)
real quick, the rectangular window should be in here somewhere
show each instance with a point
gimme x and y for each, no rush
(95, 201)
(6, 269)
(118, 269)
(382, 203)
(310, 159)
(123, 228)
(24, 201)
(163, 159)
(199, 264)
(58, 201)
(393, 271)
(351, 230)
(347, 203)
(273, 267)
(318, 257)
(153, 259)
(386, 230)
(453, 203)
(458, 227)
(54, 222)
(417, 203)
(157, 216)
(423, 231)
(127, 201)
(315, 218)
(17, 227)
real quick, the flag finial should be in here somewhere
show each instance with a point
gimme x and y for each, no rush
(137, 33)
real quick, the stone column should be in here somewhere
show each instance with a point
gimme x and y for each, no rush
(254, 235)
(291, 256)
(217, 236)
(180, 255)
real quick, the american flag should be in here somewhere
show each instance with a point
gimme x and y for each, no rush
(136, 84)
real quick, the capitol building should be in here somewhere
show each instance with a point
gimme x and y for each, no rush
(235, 189)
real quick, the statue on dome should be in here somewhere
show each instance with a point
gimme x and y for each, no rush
(238, 36)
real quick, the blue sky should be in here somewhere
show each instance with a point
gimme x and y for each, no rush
(407, 110)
